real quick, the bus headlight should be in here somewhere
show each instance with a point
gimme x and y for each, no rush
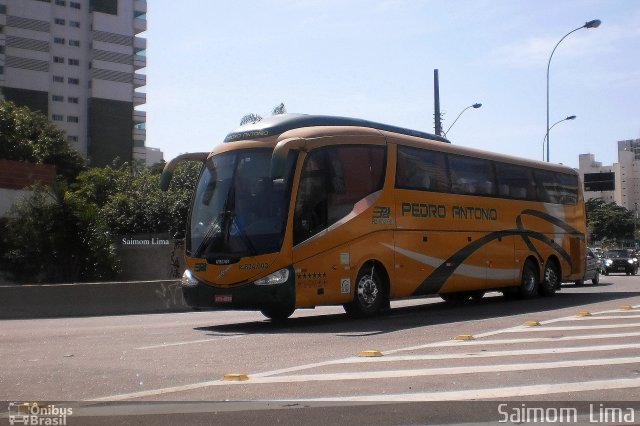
(278, 277)
(188, 280)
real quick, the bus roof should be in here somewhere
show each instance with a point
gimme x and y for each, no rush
(278, 124)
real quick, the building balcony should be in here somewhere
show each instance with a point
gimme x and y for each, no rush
(139, 43)
(139, 25)
(139, 134)
(139, 98)
(139, 117)
(140, 6)
(139, 80)
(139, 62)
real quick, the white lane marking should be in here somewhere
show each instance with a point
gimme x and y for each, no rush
(522, 329)
(154, 392)
(543, 351)
(386, 374)
(422, 372)
(507, 392)
(454, 343)
(187, 342)
(601, 317)
(450, 343)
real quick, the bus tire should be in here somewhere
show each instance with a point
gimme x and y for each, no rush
(279, 313)
(529, 283)
(369, 294)
(551, 279)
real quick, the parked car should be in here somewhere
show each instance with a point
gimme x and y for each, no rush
(622, 260)
(592, 268)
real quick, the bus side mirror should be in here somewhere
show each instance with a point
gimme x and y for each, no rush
(167, 172)
(280, 154)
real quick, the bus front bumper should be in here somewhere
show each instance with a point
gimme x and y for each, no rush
(250, 296)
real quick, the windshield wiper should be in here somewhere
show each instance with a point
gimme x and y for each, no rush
(214, 228)
(222, 227)
(231, 216)
(212, 231)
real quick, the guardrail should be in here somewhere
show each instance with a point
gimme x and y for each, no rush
(90, 299)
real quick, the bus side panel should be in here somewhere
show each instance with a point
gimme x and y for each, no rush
(325, 278)
(418, 254)
(554, 235)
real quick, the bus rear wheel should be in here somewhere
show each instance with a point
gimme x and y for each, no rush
(551, 279)
(529, 284)
(369, 293)
(279, 313)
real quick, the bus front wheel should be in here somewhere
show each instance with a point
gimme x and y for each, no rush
(369, 293)
(279, 313)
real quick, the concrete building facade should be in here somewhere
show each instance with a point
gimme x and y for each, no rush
(626, 192)
(79, 62)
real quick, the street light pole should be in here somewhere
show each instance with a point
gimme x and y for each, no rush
(476, 106)
(571, 117)
(635, 225)
(591, 24)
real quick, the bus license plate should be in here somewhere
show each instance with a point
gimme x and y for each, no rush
(223, 298)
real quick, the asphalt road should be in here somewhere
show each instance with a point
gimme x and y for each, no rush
(239, 368)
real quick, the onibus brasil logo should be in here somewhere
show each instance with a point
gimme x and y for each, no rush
(35, 413)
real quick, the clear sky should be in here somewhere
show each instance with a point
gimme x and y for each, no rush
(209, 62)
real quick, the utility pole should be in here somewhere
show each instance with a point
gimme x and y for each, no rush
(436, 96)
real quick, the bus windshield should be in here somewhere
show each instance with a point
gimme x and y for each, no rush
(238, 210)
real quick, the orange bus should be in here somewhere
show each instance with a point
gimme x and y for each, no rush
(297, 211)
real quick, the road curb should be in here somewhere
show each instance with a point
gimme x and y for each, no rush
(90, 299)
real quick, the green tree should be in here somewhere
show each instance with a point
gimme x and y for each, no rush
(31, 137)
(131, 202)
(250, 118)
(51, 237)
(254, 118)
(66, 233)
(608, 221)
(279, 109)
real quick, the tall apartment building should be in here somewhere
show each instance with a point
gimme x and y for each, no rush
(78, 61)
(625, 174)
(629, 161)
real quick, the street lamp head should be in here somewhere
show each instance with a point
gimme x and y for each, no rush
(571, 117)
(593, 24)
(476, 105)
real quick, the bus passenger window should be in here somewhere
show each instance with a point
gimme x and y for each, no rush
(421, 169)
(333, 179)
(548, 188)
(472, 176)
(515, 181)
